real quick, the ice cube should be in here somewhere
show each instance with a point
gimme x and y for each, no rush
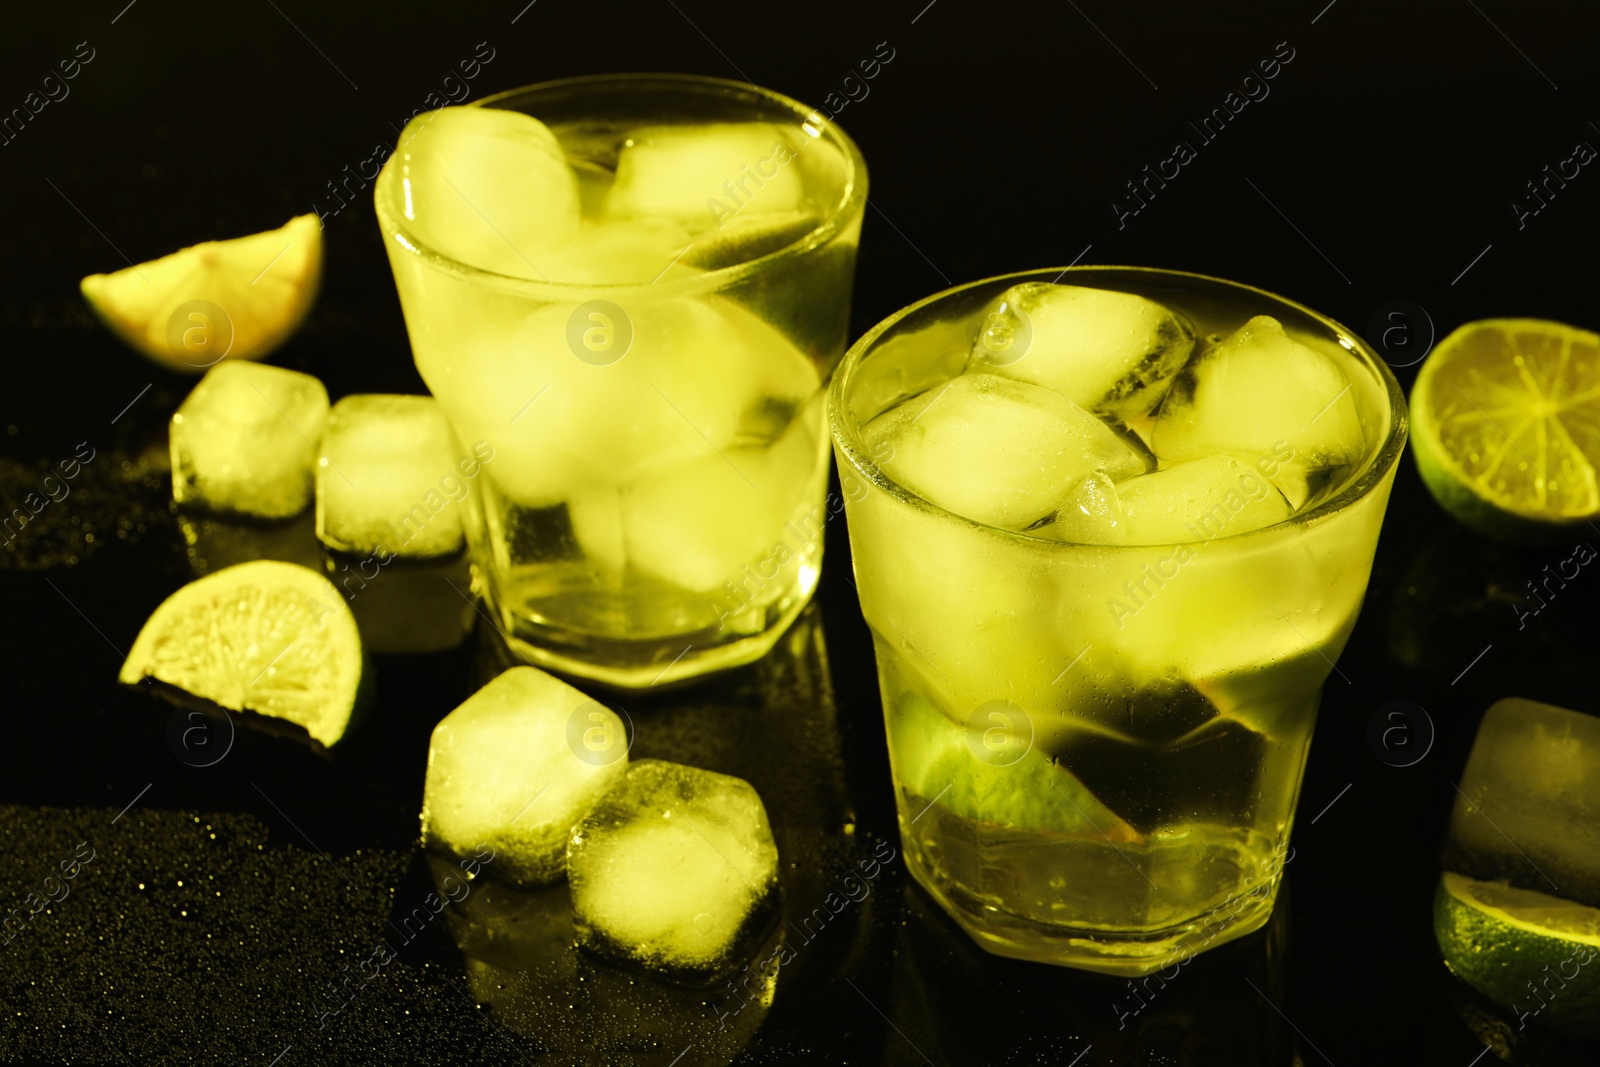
(1091, 514)
(1112, 353)
(387, 478)
(622, 252)
(487, 186)
(696, 524)
(674, 870)
(701, 175)
(1528, 810)
(693, 373)
(1258, 393)
(245, 440)
(997, 451)
(515, 768)
(595, 512)
(1199, 500)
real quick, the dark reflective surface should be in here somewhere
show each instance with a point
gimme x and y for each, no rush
(1380, 167)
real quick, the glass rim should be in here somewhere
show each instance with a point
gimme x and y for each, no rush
(850, 206)
(1375, 469)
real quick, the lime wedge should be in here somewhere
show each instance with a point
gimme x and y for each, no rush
(266, 637)
(235, 299)
(1505, 421)
(1532, 954)
(935, 759)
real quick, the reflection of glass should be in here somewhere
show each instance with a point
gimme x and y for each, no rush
(772, 723)
(1098, 747)
(960, 1005)
(653, 507)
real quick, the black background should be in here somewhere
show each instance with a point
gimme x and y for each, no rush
(1382, 166)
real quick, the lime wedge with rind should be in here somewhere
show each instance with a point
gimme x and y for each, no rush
(266, 637)
(1536, 955)
(1505, 420)
(934, 759)
(234, 299)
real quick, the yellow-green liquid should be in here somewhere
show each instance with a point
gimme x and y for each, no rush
(1098, 749)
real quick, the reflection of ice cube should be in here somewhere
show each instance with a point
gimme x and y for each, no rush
(673, 869)
(216, 541)
(514, 768)
(696, 524)
(699, 175)
(997, 451)
(487, 186)
(1197, 501)
(621, 252)
(245, 440)
(1255, 393)
(1528, 811)
(1112, 353)
(749, 236)
(387, 478)
(408, 607)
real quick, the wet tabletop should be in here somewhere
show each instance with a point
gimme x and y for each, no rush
(232, 912)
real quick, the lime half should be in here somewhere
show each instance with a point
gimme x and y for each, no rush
(234, 299)
(1535, 955)
(266, 637)
(1505, 418)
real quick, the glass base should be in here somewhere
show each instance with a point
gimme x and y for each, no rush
(1122, 952)
(643, 663)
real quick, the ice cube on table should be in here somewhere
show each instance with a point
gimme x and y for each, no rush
(387, 478)
(622, 252)
(515, 768)
(1528, 810)
(701, 175)
(245, 440)
(673, 870)
(488, 187)
(1260, 392)
(1200, 500)
(997, 451)
(1112, 353)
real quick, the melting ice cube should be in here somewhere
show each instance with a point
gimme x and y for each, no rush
(674, 870)
(488, 187)
(1112, 353)
(387, 478)
(995, 450)
(701, 175)
(515, 767)
(245, 440)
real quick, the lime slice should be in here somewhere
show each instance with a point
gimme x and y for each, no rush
(1532, 954)
(1506, 427)
(266, 637)
(938, 760)
(236, 299)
